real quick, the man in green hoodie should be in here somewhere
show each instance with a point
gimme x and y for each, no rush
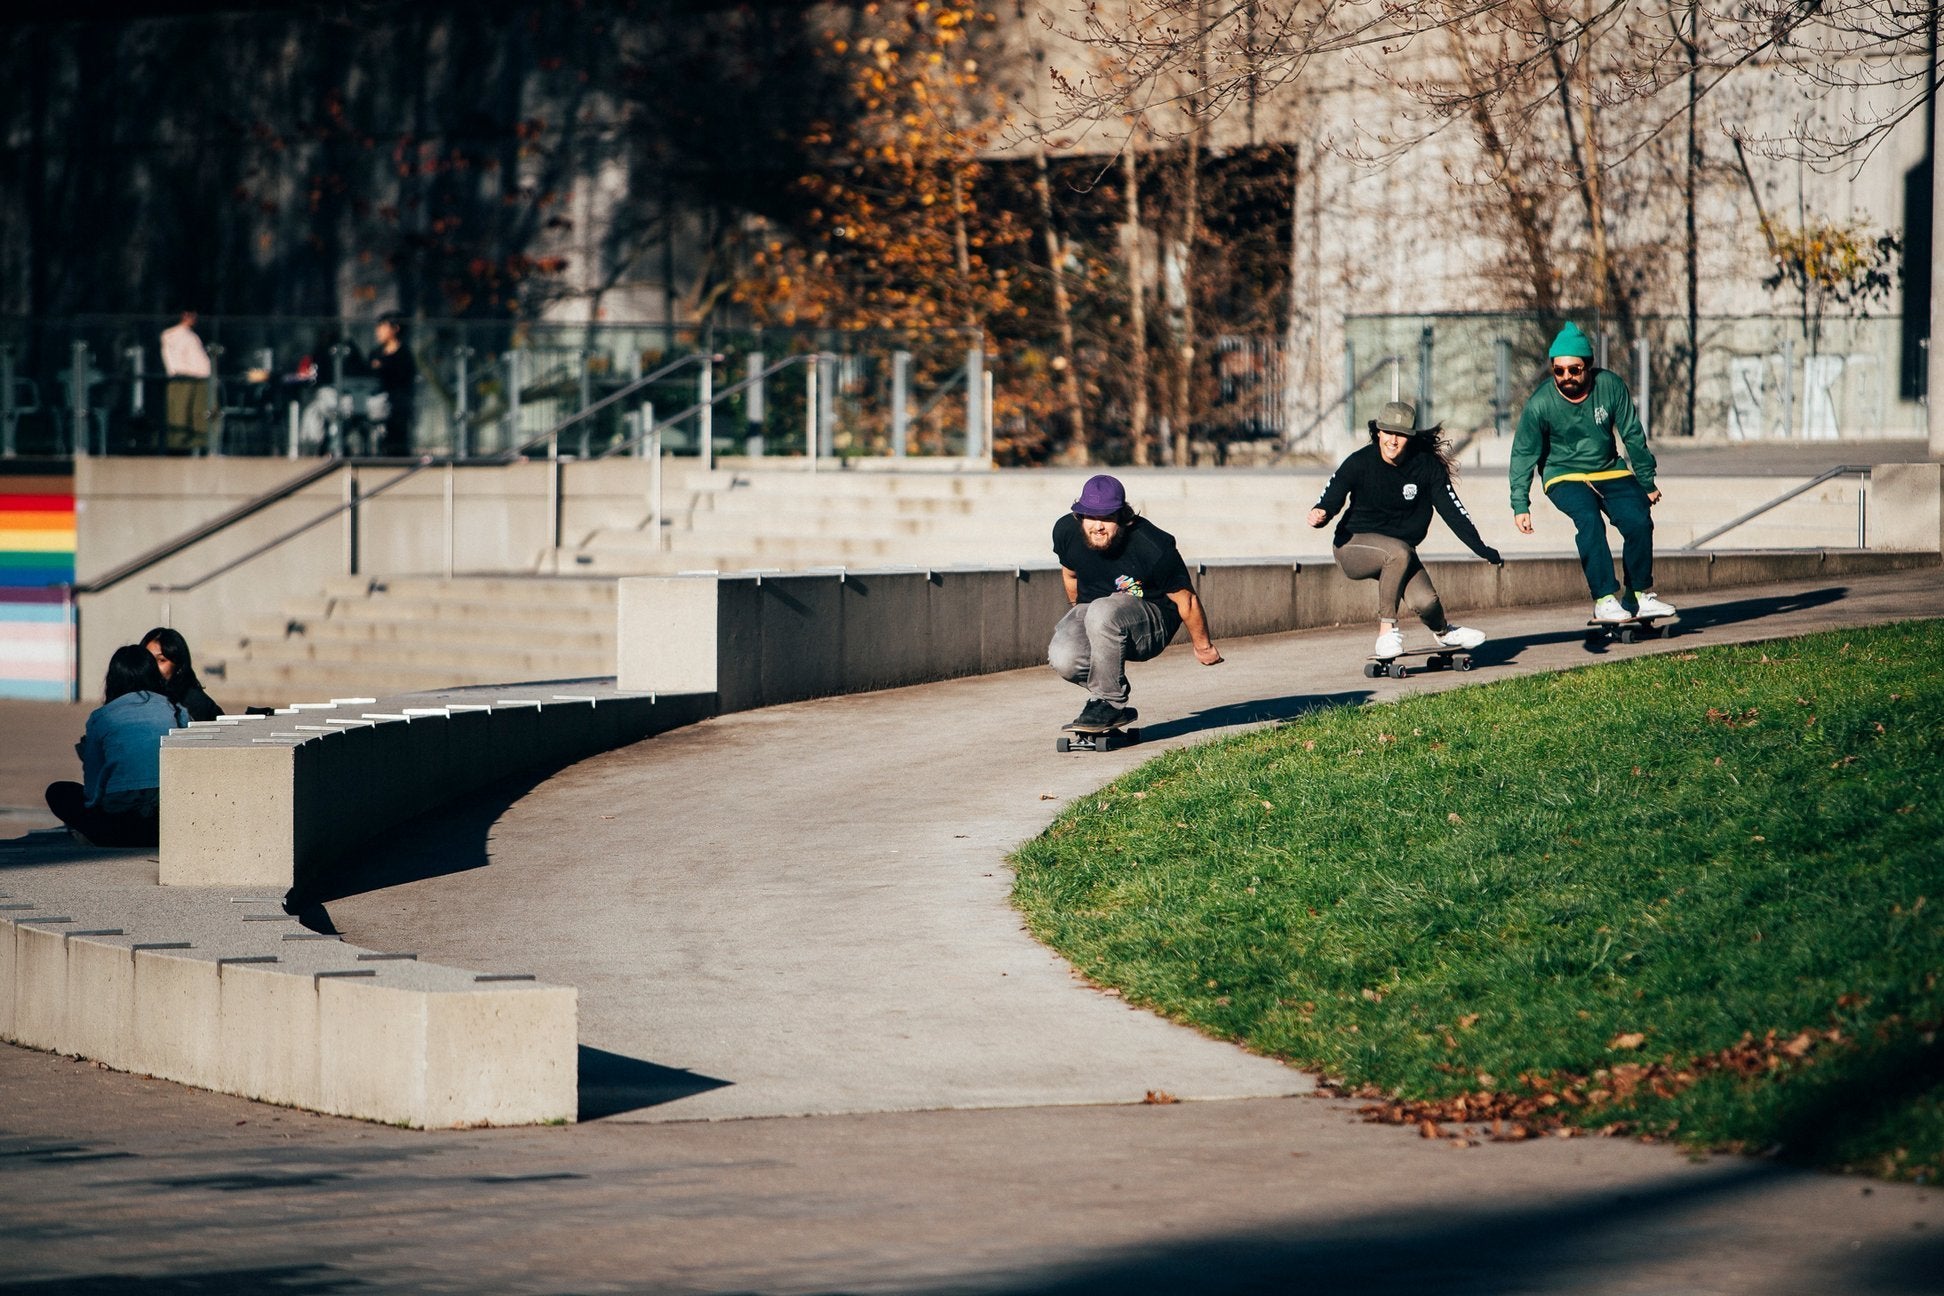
(1566, 432)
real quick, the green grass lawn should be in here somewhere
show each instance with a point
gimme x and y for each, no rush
(1695, 894)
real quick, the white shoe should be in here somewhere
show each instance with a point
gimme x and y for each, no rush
(1651, 606)
(1459, 637)
(1611, 609)
(1389, 644)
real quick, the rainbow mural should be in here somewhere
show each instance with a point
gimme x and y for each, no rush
(36, 566)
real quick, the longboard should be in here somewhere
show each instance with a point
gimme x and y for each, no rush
(1434, 659)
(1096, 738)
(1633, 628)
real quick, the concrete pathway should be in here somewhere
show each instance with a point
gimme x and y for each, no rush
(841, 819)
(804, 909)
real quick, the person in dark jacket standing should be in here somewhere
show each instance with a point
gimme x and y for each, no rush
(1391, 486)
(118, 801)
(171, 653)
(397, 374)
(1130, 592)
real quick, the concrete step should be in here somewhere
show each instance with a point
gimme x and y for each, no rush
(326, 629)
(545, 591)
(282, 683)
(520, 614)
(504, 661)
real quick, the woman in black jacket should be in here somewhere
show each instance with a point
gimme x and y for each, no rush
(171, 654)
(1391, 486)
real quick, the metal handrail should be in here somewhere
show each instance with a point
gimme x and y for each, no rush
(715, 399)
(1842, 470)
(633, 386)
(169, 549)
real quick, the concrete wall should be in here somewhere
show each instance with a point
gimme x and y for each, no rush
(277, 801)
(126, 507)
(757, 641)
(239, 999)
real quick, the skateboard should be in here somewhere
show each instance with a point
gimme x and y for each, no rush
(1434, 659)
(1096, 738)
(1652, 627)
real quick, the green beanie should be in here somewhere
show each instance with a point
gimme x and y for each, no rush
(1571, 342)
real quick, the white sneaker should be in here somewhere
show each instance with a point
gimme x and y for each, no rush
(1459, 637)
(1611, 609)
(1389, 644)
(1651, 606)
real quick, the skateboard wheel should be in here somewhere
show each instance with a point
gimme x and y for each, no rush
(1398, 671)
(1462, 662)
(1373, 669)
(1063, 744)
(1627, 636)
(1105, 742)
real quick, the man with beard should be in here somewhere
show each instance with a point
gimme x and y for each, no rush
(1130, 592)
(1566, 432)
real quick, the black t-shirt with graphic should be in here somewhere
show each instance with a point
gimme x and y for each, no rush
(1145, 562)
(1396, 500)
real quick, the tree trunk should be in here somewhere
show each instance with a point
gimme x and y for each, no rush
(1298, 318)
(1077, 449)
(1183, 413)
(1582, 148)
(1693, 241)
(1137, 417)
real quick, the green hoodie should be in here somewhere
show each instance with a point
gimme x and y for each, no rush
(1569, 441)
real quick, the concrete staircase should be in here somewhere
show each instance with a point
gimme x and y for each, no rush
(373, 636)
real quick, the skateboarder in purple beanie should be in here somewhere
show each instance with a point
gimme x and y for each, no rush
(1130, 592)
(1566, 432)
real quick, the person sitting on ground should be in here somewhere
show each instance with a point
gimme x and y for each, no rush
(1130, 592)
(118, 801)
(1567, 431)
(171, 653)
(1391, 486)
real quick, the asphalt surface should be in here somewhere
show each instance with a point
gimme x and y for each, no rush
(803, 910)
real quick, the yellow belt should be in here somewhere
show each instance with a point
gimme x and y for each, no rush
(1610, 474)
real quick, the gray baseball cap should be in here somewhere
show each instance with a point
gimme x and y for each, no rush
(1397, 416)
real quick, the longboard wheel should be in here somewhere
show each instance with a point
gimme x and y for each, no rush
(1398, 670)
(1373, 669)
(1062, 744)
(1628, 635)
(1461, 661)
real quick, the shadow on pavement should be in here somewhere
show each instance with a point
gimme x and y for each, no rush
(611, 1084)
(1589, 1242)
(1499, 651)
(283, 1280)
(1256, 712)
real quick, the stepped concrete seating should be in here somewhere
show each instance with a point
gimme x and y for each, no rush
(228, 993)
(277, 800)
(393, 634)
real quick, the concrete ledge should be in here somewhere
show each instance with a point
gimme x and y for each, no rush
(756, 640)
(237, 998)
(269, 801)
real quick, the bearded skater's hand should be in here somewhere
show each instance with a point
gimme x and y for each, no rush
(1209, 656)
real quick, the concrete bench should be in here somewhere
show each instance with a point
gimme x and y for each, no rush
(269, 800)
(228, 993)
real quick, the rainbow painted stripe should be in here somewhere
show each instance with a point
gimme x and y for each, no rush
(36, 561)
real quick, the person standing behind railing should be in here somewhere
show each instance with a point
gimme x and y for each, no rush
(119, 800)
(187, 403)
(397, 374)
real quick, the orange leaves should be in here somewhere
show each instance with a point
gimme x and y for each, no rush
(1626, 1040)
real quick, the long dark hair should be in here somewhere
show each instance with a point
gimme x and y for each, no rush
(1425, 441)
(176, 649)
(132, 670)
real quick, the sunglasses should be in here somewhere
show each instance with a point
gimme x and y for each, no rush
(1569, 371)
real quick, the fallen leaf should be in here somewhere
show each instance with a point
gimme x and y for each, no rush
(1268, 805)
(1159, 1098)
(1048, 796)
(1628, 1040)
(1467, 1021)
(1373, 996)
(1429, 1129)
(1454, 818)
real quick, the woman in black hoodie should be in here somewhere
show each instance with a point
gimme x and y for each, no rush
(184, 689)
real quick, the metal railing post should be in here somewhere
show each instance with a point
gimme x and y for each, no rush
(753, 407)
(336, 439)
(351, 522)
(511, 363)
(586, 397)
(212, 410)
(137, 397)
(1425, 344)
(295, 420)
(1501, 385)
(9, 416)
(461, 401)
(975, 391)
(826, 405)
(900, 402)
(451, 471)
(1644, 385)
(705, 397)
(1862, 512)
(653, 445)
(79, 362)
(811, 436)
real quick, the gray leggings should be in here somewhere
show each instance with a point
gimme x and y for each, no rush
(1395, 567)
(1095, 640)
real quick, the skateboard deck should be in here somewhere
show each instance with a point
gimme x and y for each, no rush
(1096, 738)
(1633, 628)
(1434, 659)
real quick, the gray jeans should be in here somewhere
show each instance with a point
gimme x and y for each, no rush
(1094, 641)
(1399, 575)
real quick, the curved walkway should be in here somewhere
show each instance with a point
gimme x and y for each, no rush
(804, 909)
